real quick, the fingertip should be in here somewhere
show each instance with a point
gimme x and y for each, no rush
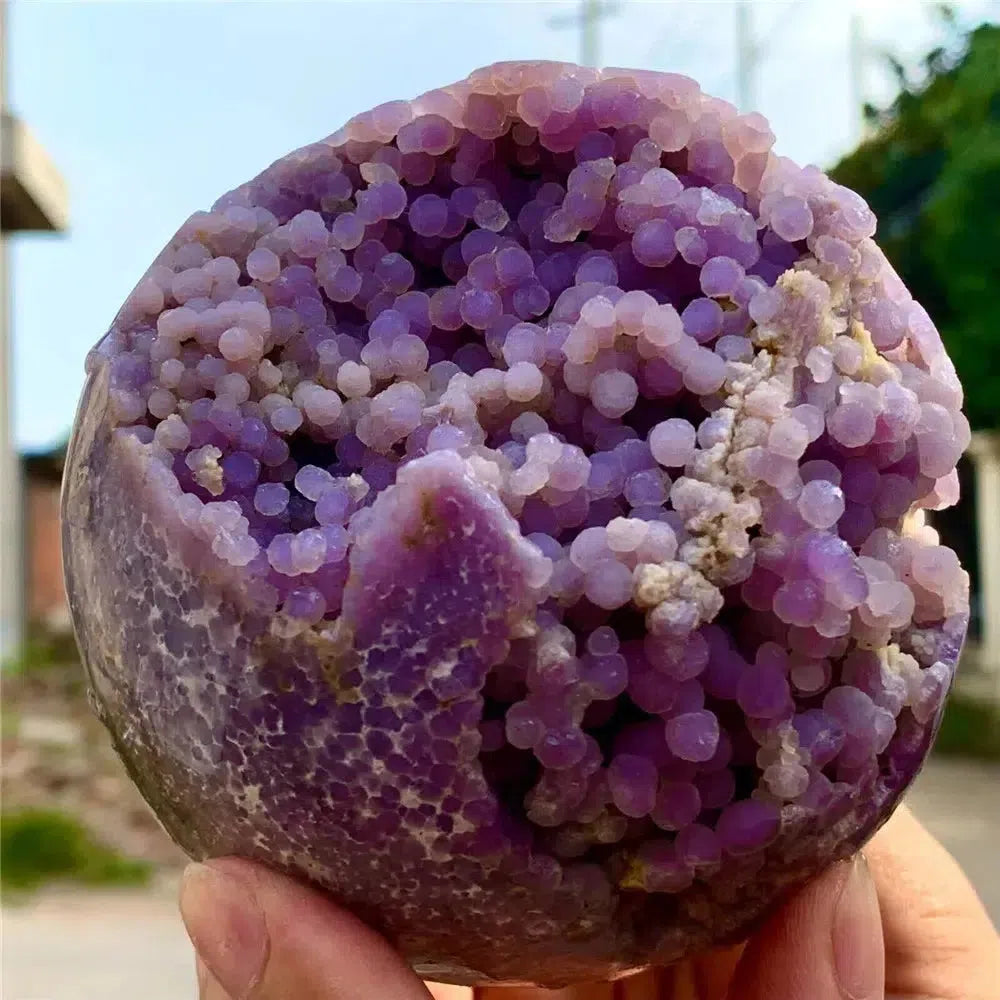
(442, 991)
(209, 988)
(795, 954)
(937, 929)
(318, 949)
(226, 925)
(858, 948)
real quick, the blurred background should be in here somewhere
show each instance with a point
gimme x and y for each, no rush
(120, 118)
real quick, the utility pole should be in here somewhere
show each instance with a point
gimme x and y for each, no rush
(11, 545)
(858, 55)
(588, 19)
(748, 55)
(32, 199)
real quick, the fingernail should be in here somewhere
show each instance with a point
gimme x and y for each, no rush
(226, 927)
(858, 950)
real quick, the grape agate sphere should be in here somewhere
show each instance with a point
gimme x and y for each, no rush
(508, 514)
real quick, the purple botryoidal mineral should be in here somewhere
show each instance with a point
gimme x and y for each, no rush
(507, 513)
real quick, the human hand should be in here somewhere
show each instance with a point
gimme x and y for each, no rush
(905, 925)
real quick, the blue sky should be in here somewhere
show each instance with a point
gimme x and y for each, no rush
(152, 109)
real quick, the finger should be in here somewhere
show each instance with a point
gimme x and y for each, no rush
(653, 984)
(939, 940)
(824, 944)
(649, 985)
(442, 991)
(263, 936)
(583, 991)
(704, 978)
(208, 985)
(712, 973)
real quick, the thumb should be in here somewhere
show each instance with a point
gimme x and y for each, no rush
(939, 941)
(260, 935)
(824, 944)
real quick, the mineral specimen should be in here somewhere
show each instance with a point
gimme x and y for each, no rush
(507, 513)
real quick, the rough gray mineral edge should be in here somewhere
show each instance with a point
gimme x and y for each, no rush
(508, 514)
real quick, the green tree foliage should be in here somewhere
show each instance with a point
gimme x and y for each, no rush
(931, 172)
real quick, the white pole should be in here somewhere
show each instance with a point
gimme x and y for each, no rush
(857, 62)
(985, 454)
(747, 57)
(11, 548)
(588, 18)
(588, 32)
(11, 542)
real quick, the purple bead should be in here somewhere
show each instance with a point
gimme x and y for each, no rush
(240, 469)
(747, 826)
(560, 749)
(698, 846)
(633, 782)
(271, 499)
(693, 735)
(720, 277)
(653, 243)
(332, 506)
(253, 435)
(702, 319)
(762, 692)
(678, 804)
(820, 734)
(480, 308)
(852, 708)
(306, 603)
(798, 603)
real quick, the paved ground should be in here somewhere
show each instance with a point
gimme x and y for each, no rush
(96, 946)
(122, 946)
(959, 802)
